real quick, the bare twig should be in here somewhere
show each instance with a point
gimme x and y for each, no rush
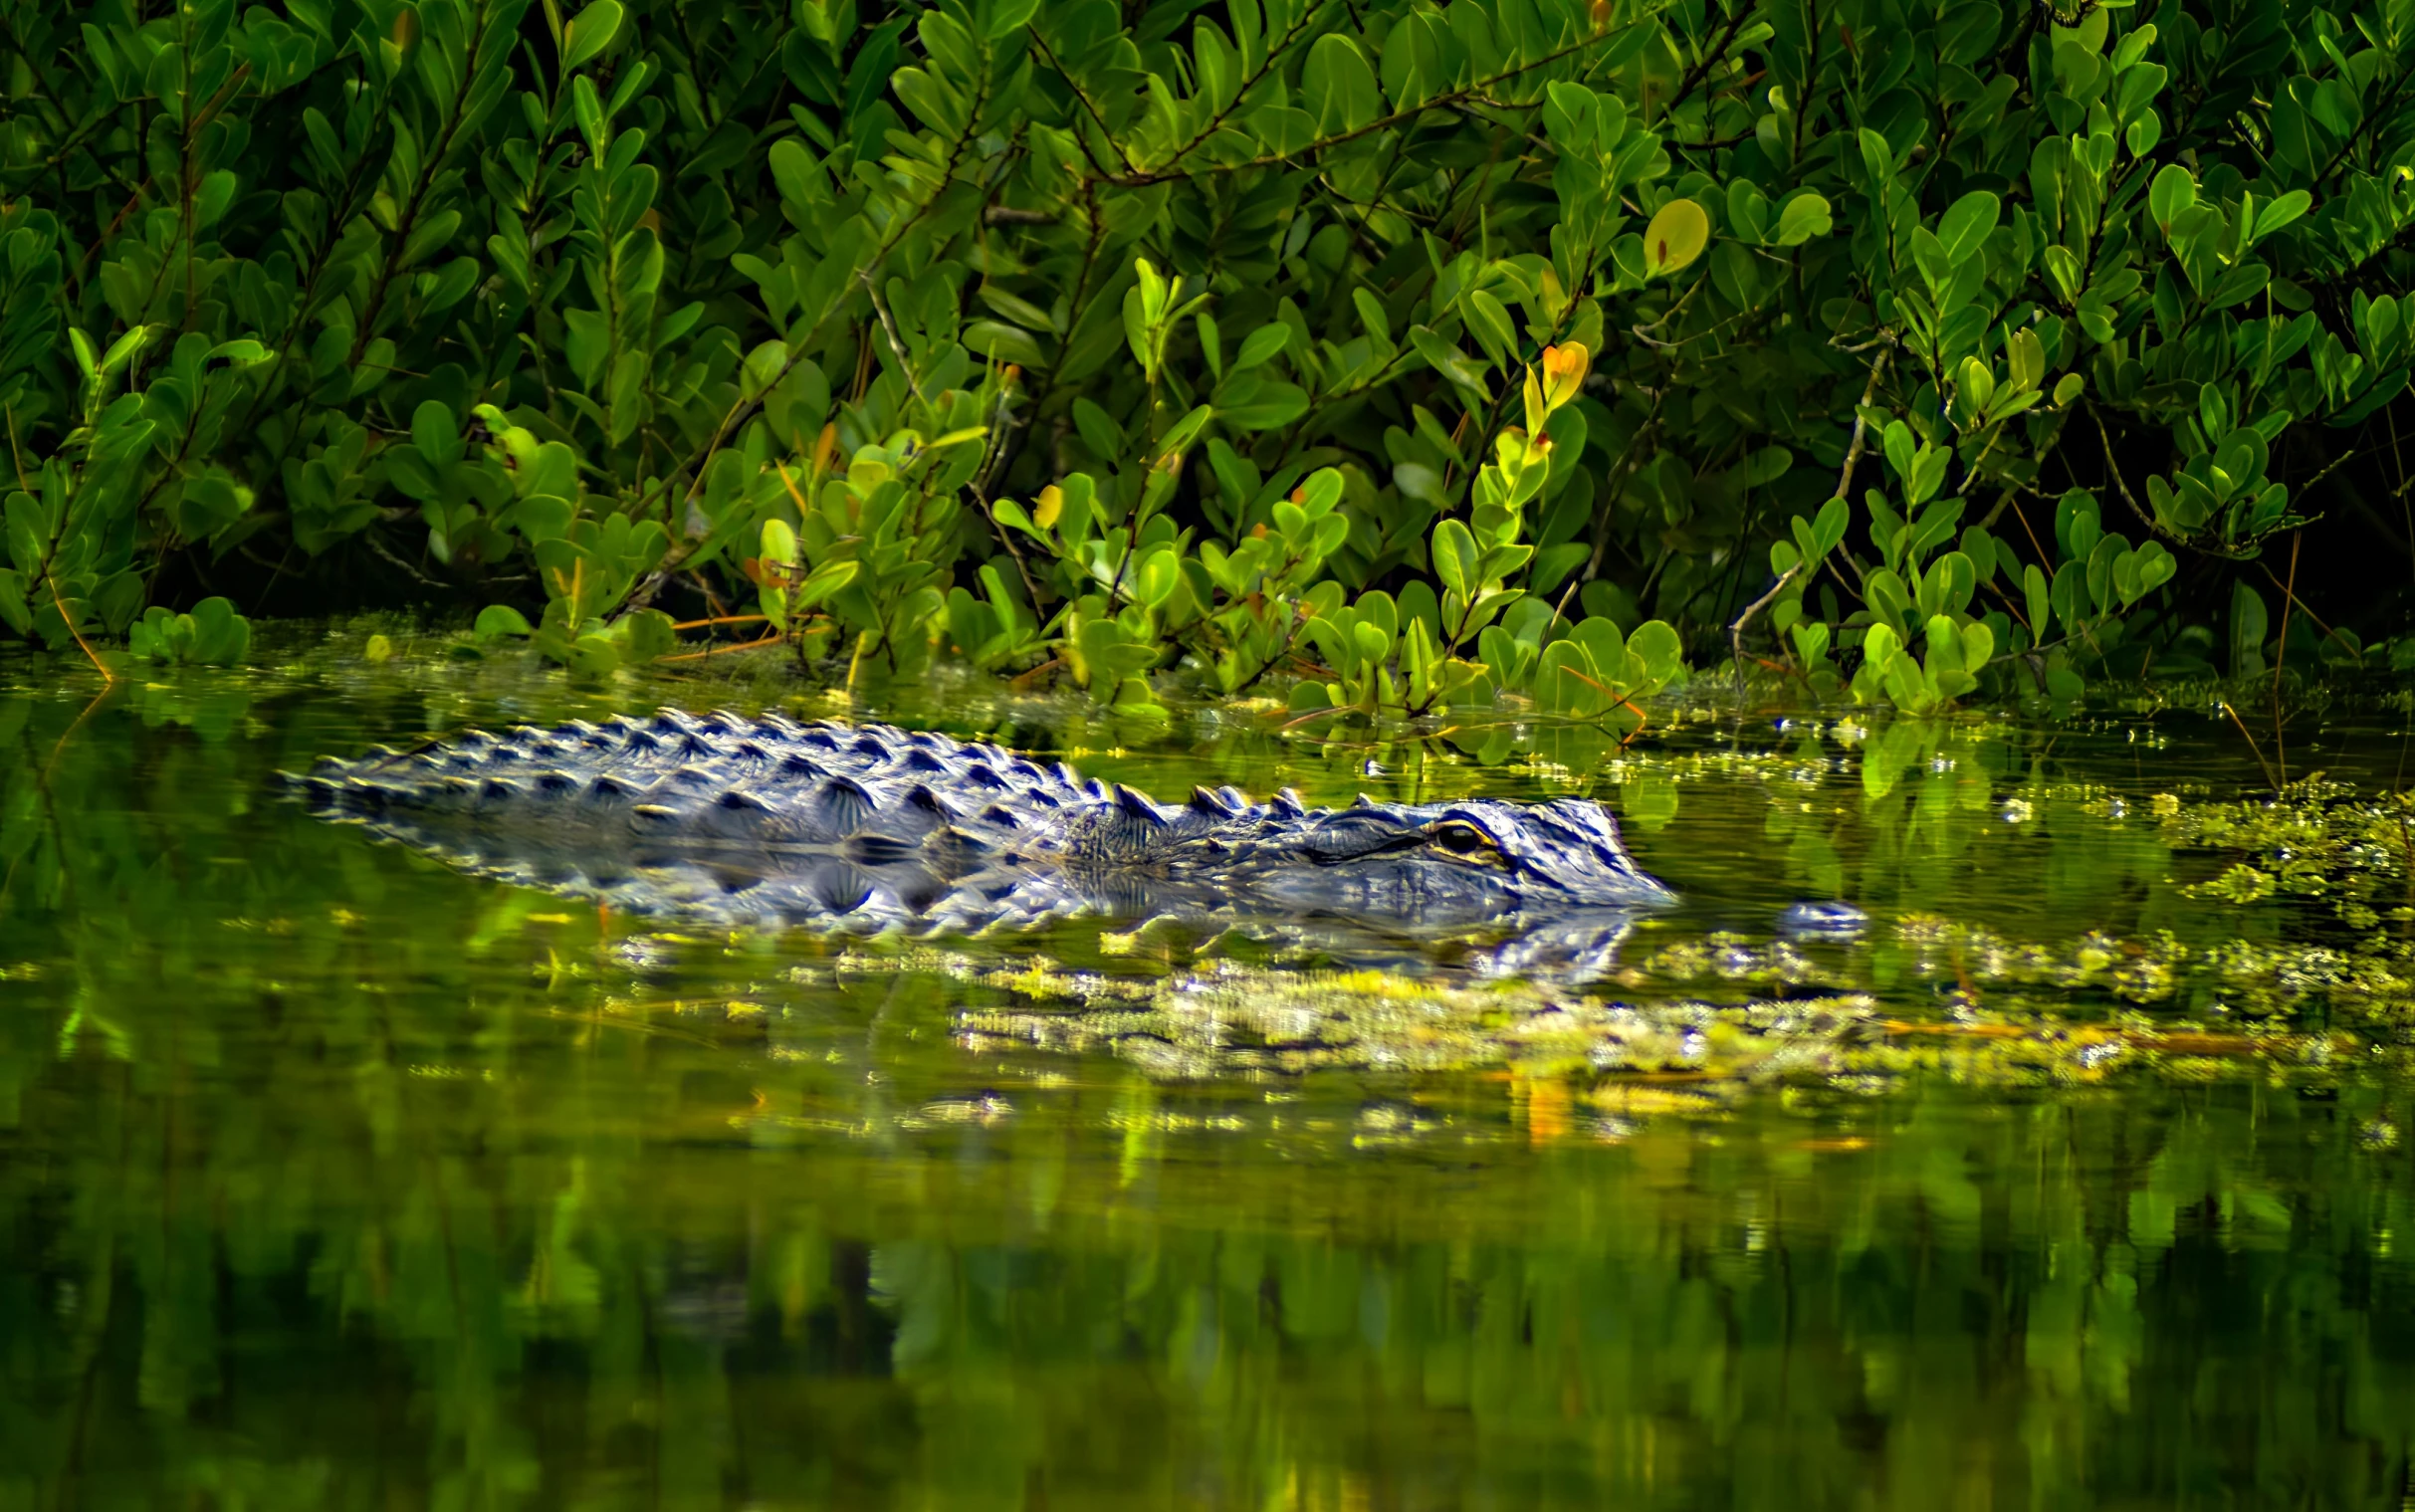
(2345, 644)
(713, 651)
(2280, 653)
(383, 550)
(1628, 463)
(897, 346)
(2154, 526)
(1845, 483)
(1735, 632)
(69, 620)
(2251, 746)
(1711, 58)
(1002, 424)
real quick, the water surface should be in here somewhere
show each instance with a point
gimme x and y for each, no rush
(332, 1179)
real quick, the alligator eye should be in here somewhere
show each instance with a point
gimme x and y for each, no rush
(1462, 839)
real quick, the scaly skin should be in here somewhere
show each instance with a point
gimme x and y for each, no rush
(864, 828)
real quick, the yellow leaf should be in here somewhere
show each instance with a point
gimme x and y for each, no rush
(1564, 370)
(1555, 298)
(1049, 504)
(1675, 237)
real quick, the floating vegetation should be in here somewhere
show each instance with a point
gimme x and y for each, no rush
(2317, 839)
(1224, 1021)
(303, 1139)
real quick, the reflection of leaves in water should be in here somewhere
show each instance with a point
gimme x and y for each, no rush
(322, 1167)
(1650, 802)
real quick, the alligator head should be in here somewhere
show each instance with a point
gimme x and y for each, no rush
(1467, 862)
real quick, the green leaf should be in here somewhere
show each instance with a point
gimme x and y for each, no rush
(1806, 215)
(497, 621)
(2174, 190)
(1269, 407)
(1455, 556)
(1966, 225)
(1663, 653)
(2034, 592)
(436, 434)
(590, 34)
(210, 200)
(1006, 17)
(2240, 285)
(2249, 628)
(1676, 235)
(1006, 343)
(1157, 575)
(1337, 87)
(1877, 161)
(1262, 346)
(1492, 326)
(645, 634)
(778, 543)
(2280, 212)
(825, 580)
(1897, 442)
(123, 350)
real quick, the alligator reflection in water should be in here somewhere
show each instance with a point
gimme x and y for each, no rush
(2077, 1174)
(862, 830)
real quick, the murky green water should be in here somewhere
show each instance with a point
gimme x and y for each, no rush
(329, 1178)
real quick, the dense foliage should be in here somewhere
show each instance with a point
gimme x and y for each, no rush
(1435, 352)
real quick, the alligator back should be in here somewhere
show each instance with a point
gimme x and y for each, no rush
(866, 828)
(763, 820)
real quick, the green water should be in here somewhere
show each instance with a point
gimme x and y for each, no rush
(331, 1179)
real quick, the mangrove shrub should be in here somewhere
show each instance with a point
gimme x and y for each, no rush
(1404, 353)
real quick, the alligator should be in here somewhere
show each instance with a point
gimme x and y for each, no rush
(859, 829)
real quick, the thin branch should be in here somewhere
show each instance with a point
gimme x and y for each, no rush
(407, 220)
(1709, 59)
(1620, 474)
(2251, 746)
(1002, 426)
(800, 349)
(69, 620)
(1089, 107)
(383, 550)
(2281, 654)
(2345, 644)
(1480, 90)
(897, 346)
(1273, 58)
(1845, 483)
(2154, 526)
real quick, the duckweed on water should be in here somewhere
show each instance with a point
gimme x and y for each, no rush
(2317, 839)
(324, 1164)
